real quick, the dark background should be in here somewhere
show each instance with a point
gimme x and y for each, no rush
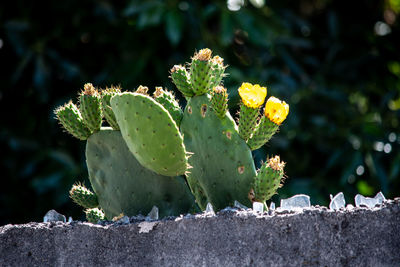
(337, 64)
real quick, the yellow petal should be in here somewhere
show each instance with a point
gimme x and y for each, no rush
(276, 110)
(253, 96)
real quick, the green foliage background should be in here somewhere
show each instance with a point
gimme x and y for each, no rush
(337, 64)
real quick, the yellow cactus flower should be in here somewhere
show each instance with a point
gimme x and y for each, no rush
(253, 96)
(276, 110)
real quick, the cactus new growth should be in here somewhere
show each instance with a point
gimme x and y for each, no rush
(106, 105)
(268, 180)
(83, 196)
(70, 118)
(90, 107)
(139, 163)
(168, 101)
(275, 112)
(253, 97)
(181, 79)
(94, 215)
(217, 71)
(201, 71)
(219, 100)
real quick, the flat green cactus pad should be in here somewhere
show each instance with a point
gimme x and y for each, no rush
(123, 185)
(223, 163)
(150, 133)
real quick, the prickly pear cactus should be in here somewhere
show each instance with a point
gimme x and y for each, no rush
(223, 168)
(138, 164)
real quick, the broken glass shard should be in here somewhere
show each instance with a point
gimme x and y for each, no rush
(370, 202)
(239, 205)
(295, 202)
(210, 209)
(54, 216)
(337, 201)
(258, 207)
(272, 206)
(70, 219)
(124, 220)
(153, 214)
(380, 197)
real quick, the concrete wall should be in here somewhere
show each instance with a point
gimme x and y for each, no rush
(314, 237)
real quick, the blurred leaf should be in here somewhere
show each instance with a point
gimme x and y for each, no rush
(23, 63)
(174, 26)
(376, 170)
(364, 188)
(47, 183)
(151, 16)
(395, 168)
(226, 28)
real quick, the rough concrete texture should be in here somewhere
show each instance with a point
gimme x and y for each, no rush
(313, 237)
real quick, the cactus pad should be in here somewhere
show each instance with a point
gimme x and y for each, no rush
(268, 180)
(150, 133)
(263, 133)
(71, 119)
(223, 164)
(168, 101)
(106, 106)
(83, 196)
(94, 215)
(219, 101)
(123, 185)
(181, 79)
(90, 107)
